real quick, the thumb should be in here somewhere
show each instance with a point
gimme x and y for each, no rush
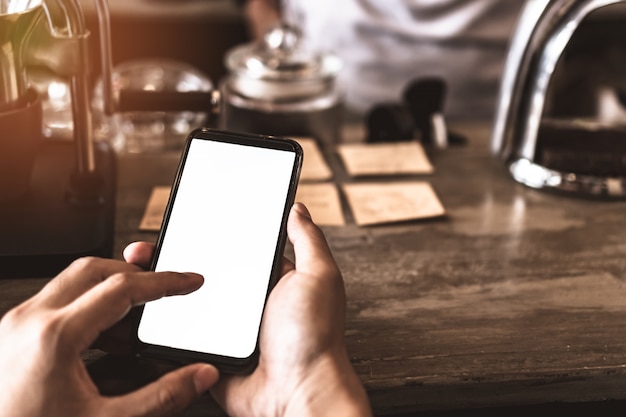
(168, 395)
(139, 253)
(310, 247)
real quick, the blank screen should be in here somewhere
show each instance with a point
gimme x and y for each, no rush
(224, 224)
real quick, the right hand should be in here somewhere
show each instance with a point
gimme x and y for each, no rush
(304, 368)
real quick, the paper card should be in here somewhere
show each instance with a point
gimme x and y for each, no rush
(378, 203)
(155, 209)
(385, 158)
(323, 202)
(314, 167)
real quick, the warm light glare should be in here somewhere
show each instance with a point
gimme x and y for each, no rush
(534, 175)
(57, 91)
(18, 6)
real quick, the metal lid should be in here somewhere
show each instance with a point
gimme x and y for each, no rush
(279, 66)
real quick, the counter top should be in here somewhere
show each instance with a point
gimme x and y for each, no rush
(516, 297)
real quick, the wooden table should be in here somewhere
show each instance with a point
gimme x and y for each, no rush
(516, 297)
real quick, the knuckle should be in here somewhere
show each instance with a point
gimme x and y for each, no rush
(51, 327)
(12, 317)
(121, 280)
(123, 284)
(88, 264)
(331, 273)
(48, 332)
(168, 399)
(47, 325)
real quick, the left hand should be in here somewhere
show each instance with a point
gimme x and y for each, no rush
(41, 371)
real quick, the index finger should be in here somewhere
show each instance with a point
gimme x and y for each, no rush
(107, 303)
(80, 276)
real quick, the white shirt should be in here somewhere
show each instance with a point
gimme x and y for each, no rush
(385, 44)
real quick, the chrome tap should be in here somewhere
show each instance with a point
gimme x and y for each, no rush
(57, 196)
(544, 30)
(17, 20)
(53, 34)
(65, 50)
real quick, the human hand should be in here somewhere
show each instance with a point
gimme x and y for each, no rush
(304, 368)
(261, 15)
(41, 371)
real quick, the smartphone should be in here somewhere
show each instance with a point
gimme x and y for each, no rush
(226, 219)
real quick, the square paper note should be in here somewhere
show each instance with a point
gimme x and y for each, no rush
(155, 210)
(314, 166)
(385, 159)
(377, 203)
(323, 202)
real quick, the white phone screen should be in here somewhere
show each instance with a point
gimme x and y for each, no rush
(224, 224)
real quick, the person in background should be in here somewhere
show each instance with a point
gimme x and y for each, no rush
(385, 44)
(304, 368)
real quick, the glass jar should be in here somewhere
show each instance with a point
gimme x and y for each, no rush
(278, 87)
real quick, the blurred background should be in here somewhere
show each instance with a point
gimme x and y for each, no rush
(198, 32)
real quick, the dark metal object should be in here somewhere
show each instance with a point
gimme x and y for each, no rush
(552, 154)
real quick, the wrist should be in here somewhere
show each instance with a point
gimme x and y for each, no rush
(332, 388)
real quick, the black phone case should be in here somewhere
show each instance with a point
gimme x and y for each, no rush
(225, 364)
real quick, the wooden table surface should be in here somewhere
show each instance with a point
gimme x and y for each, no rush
(516, 297)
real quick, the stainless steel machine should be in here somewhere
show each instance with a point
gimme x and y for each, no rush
(57, 197)
(560, 123)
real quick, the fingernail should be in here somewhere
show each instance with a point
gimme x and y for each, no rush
(192, 280)
(193, 276)
(205, 378)
(302, 210)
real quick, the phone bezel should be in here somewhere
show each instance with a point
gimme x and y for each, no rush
(224, 363)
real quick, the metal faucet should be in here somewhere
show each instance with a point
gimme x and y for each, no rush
(57, 197)
(544, 30)
(69, 41)
(61, 44)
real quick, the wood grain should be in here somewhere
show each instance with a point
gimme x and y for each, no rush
(516, 297)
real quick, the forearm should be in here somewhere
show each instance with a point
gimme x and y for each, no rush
(260, 15)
